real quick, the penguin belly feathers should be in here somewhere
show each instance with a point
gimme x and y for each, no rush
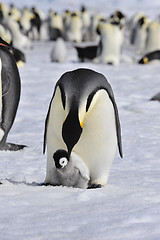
(83, 119)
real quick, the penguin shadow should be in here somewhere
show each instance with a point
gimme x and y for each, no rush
(13, 182)
(35, 184)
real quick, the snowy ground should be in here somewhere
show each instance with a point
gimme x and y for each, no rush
(129, 206)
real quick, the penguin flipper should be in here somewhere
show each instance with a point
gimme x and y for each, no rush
(80, 165)
(118, 126)
(55, 109)
(83, 174)
(5, 82)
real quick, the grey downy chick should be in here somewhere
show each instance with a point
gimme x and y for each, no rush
(71, 170)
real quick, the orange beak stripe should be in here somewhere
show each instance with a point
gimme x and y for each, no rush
(3, 45)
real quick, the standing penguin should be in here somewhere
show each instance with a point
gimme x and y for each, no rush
(10, 87)
(112, 35)
(83, 118)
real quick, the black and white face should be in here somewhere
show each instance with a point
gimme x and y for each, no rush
(63, 162)
(61, 158)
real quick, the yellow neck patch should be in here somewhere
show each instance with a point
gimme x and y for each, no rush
(145, 60)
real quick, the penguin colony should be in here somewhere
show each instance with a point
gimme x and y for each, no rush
(96, 38)
(82, 111)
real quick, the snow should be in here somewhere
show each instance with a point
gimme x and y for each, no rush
(129, 206)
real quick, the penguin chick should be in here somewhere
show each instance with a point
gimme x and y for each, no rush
(71, 170)
(59, 51)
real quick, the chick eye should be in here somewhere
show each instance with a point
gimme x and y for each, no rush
(63, 162)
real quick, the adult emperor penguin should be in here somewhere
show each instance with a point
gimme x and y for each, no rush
(83, 118)
(112, 36)
(9, 95)
(71, 170)
(150, 57)
(153, 37)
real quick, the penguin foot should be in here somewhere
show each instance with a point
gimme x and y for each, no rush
(13, 147)
(94, 185)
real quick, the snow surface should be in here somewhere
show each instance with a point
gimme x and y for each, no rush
(129, 206)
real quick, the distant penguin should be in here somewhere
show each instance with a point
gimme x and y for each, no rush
(20, 40)
(36, 23)
(25, 22)
(88, 52)
(83, 119)
(153, 37)
(112, 42)
(95, 20)
(150, 57)
(5, 34)
(118, 16)
(14, 12)
(59, 51)
(4, 9)
(141, 36)
(66, 16)
(71, 170)
(10, 87)
(156, 97)
(86, 22)
(133, 25)
(55, 26)
(74, 33)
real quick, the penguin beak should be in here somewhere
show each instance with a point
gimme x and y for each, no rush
(5, 44)
(81, 124)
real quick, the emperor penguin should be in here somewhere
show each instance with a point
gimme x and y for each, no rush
(83, 118)
(25, 21)
(134, 25)
(14, 12)
(153, 37)
(20, 40)
(112, 42)
(74, 33)
(141, 36)
(71, 170)
(150, 57)
(55, 26)
(86, 22)
(4, 9)
(10, 87)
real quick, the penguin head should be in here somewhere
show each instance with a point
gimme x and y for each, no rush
(143, 60)
(5, 44)
(61, 158)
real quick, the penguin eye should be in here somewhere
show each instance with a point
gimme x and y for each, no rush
(63, 162)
